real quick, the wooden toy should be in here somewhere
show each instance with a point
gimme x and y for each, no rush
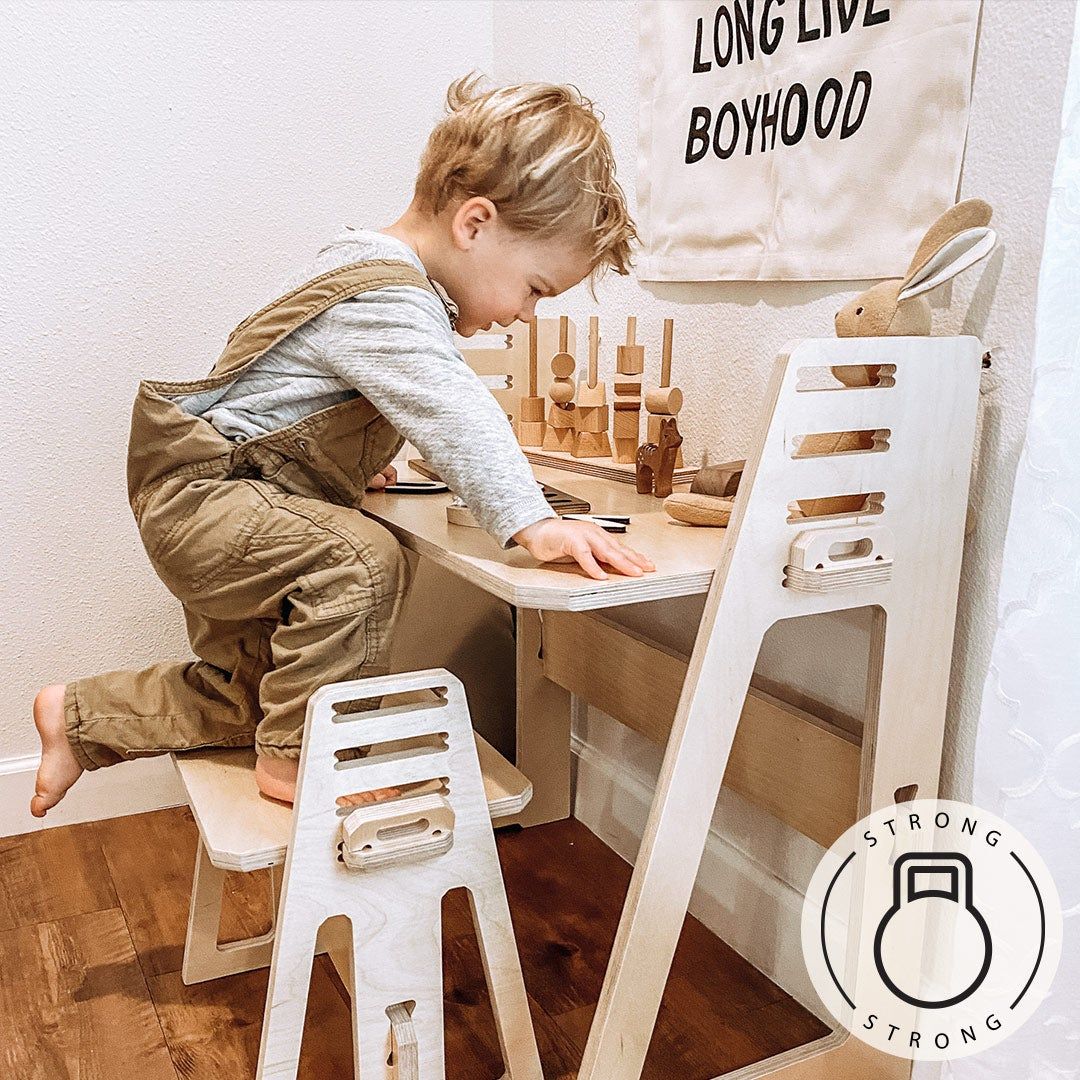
(656, 461)
(591, 415)
(629, 361)
(503, 366)
(709, 500)
(530, 425)
(932, 403)
(665, 399)
(559, 434)
(383, 867)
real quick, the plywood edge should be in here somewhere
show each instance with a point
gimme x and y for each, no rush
(801, 768)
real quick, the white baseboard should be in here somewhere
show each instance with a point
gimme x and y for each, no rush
(743, 892)
(129, 788)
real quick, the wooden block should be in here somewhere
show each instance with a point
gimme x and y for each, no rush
(625, 425)
(588, 418)
(589, 444)
(722, 479)
(663, 399)
(628, 388)
(562, 365)
(559, 417)
(591, 395)
(531, 432)
(625, 450)
(630, 359)
(531, 410)
(698, 509)
(559, 439)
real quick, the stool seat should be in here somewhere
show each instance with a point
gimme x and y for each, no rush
(242, 829)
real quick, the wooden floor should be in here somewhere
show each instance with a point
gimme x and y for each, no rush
(92, 921)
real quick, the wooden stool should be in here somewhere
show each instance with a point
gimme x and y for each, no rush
(366, 883)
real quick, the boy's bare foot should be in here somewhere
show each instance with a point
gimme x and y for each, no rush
(276, 777)
(59, 767)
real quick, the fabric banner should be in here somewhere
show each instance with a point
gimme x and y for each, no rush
(798, 139)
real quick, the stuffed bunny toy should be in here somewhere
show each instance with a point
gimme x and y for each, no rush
(958, 239)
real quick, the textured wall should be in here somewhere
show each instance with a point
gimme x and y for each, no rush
(728, 333)
(164, 164)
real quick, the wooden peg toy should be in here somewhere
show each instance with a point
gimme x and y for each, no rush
(656, 461)
(560, 421)
(626, 424)
(530, 426)
(664, 400)
(591, 414)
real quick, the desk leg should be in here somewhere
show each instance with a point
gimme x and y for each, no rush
(543, 729)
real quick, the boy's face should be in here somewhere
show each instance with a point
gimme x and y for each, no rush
(496, 275)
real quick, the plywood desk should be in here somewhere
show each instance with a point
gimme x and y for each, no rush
(685, 559)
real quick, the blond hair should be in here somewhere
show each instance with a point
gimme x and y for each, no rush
(539, 153)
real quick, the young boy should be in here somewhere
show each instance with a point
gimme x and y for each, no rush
(245, 485)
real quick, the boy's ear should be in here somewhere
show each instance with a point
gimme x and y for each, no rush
(470, 219)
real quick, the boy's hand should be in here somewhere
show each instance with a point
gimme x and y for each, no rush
(381, 479)
(555, 540)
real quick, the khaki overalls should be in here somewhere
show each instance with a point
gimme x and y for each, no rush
(285, 584)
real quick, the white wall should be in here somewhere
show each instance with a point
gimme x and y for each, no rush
(164, 164)
(726, 337)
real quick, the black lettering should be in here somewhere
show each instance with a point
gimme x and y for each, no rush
(699, 133)
(768, 121)
(722, 58)
(968, 826)
(823, 129)
(968, 1033)
(937, 1040)
(913, 819)
(893, 1029)
(804, 33)
(768, 43)
(744, 30)
(848, 126)
(938, 822)
(890, 823)
(992, 837)
(751, 121)
(869, 1025)
(729, 109)
(992, 1022)
(846, 16)
(914, 1040)
(872, 17)
(871, 837)
(698, 65)
(791, 137)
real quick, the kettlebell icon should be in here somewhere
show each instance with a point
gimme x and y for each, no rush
(948, 879)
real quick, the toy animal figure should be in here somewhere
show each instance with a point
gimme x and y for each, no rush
(656, 461)
(957, 240)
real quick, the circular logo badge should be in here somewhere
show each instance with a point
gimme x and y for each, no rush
(931, 929)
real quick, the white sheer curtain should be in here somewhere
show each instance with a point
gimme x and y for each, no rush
(1027, 763)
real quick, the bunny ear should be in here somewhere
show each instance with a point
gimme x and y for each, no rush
(956, 254)
(954, 223)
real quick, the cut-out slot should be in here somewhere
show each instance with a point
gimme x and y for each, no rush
(846, 377)
(906, 793)
(828, 443)
(856, 549)
(498, 382)
(399, 832)
(390, 704)
(836, 506)
(392, 750)
(486, 341)
(439, 785)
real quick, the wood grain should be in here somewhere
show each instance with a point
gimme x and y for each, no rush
(74, 1004)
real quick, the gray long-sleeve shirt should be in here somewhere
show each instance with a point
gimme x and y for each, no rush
(395, 346)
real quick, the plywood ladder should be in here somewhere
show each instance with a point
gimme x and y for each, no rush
(885, 530)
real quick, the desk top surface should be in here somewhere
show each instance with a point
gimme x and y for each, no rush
(685, 556)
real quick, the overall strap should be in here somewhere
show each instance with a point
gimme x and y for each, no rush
(261, 331)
